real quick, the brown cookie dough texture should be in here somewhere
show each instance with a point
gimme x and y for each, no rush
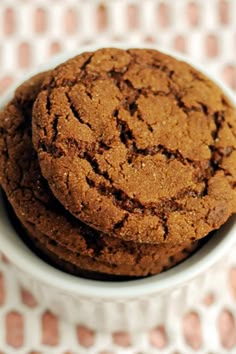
(75, 263)
(51, 230)
(137, 145)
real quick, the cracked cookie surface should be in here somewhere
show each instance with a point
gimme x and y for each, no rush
(137, 145)
(49, 224)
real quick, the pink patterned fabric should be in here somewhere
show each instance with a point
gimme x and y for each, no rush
(31, 32)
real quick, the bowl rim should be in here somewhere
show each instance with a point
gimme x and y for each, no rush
(24, 259)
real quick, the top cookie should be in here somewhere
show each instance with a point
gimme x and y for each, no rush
(138, 145)
(46, 221)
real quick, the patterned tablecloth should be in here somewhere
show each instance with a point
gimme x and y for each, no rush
(33, 30)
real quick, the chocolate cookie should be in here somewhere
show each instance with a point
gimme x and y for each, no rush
(45, 218)
(75, 263)
(137, 145)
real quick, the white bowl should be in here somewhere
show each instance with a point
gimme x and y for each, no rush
(113, 306)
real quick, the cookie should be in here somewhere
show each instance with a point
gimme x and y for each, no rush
(138, 145)
(77, 264)
(80, 265)
(49, 223)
